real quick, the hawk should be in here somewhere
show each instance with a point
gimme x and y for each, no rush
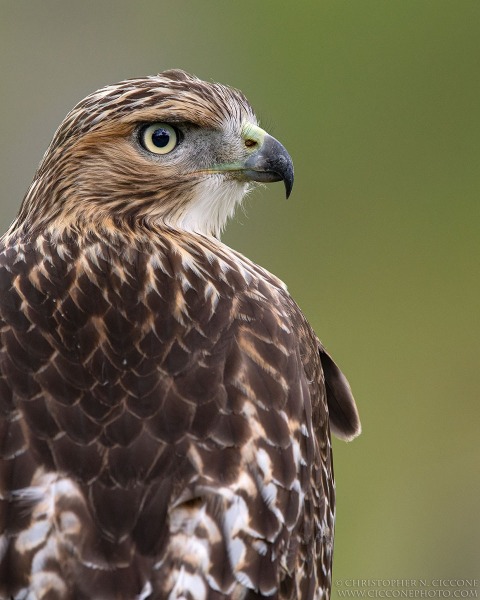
(165, 406)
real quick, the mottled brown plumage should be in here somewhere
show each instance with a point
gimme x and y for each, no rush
(164, 421)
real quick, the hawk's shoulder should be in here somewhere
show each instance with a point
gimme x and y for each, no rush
(155, 390)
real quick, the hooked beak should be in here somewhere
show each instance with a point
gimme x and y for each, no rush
(271, 162)
(268, 162)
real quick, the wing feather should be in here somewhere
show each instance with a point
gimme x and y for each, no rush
(167, 403)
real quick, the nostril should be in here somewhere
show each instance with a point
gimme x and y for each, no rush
(249, 143)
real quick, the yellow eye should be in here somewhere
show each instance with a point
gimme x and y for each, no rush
(159, 138)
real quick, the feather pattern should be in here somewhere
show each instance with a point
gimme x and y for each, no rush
(164, 420)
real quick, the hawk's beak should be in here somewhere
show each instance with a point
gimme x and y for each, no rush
(271, 162)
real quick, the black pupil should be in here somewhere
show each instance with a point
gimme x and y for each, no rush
(161, 137)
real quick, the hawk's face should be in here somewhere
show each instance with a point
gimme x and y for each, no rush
(170, 148)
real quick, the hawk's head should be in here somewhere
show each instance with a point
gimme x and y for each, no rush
(169, 148)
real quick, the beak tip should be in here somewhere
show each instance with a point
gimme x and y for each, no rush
(288, 181)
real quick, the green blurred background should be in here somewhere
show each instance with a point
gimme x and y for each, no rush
(378, 102)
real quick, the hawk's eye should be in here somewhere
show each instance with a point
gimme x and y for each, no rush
(159, 138)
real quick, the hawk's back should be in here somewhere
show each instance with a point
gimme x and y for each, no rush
(164, 423)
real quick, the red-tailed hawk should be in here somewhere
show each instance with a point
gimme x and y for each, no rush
(165, 406)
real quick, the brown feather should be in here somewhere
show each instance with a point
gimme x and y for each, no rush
(164, 421)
